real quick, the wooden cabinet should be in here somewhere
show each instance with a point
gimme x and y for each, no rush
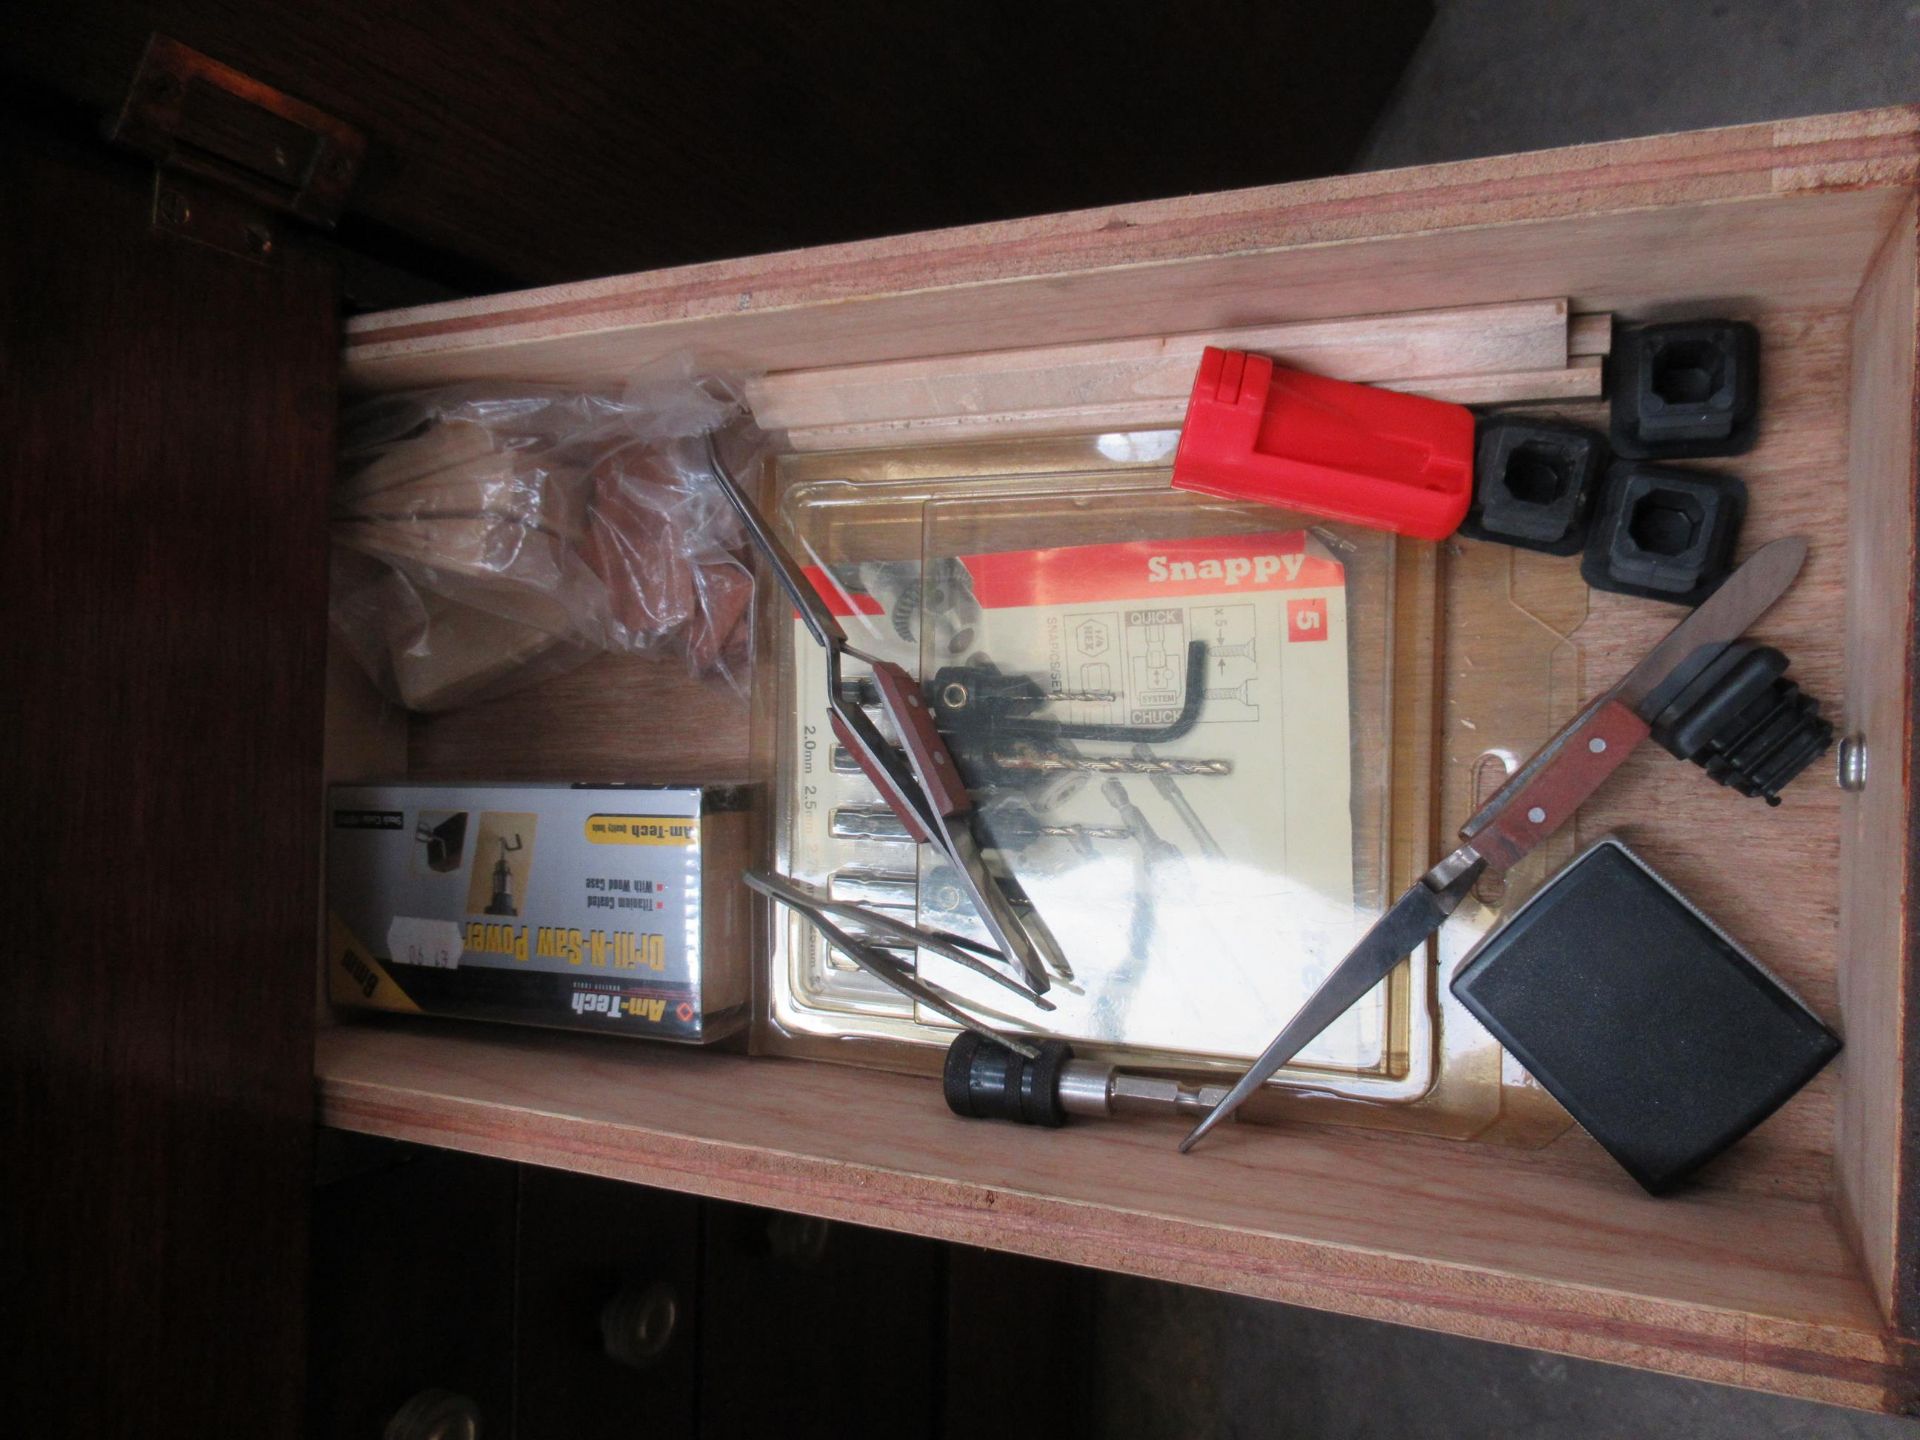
(200, 551)
(1790, 1267)
(559, 1306)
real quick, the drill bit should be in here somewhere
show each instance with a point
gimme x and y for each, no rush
(1014, 825)
(1241, 694)
(1009, 826)
(1169, 791)
(1050, 762)
(875, 889)
(1152, 847)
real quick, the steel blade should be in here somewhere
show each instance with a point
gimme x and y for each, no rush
(1721, 618)
(1414, 916)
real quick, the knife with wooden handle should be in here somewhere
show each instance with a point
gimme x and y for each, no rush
(1540, 797)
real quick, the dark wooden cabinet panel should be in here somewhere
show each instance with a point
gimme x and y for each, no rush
(413, 1290)
(1020, 1342)
(810, 1329)
(585, 1242)
(452, 1273)
(168, 422)
(569, 139)
(168, 411)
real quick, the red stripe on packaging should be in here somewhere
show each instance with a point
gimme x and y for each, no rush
(1135, 570)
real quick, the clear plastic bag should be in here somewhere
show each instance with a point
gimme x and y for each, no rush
(486, 537)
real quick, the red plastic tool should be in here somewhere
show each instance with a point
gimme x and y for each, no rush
(1258, 431)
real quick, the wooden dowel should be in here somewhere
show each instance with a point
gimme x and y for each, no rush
(1474, 355)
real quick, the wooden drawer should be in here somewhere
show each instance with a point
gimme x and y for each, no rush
(1791, 1267)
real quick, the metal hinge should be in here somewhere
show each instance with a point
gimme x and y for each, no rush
(233, 155)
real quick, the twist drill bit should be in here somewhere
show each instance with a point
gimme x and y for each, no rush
(1008, 826)
(1044, 763)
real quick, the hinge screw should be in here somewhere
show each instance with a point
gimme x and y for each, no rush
(1850, 763)
(174, 208)
(259, 240)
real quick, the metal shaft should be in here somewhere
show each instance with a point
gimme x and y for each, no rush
(1051, 763)
(861, 691)
(1412, 918)
(1169, 790)
(876, 822)
(1152, 847)
(1089, 1088)
(1084, 832)
(1113, 765)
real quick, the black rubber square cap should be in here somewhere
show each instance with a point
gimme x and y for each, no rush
(1664, 533)
(1684, 389)
(1659, 1034)
(1534, 483)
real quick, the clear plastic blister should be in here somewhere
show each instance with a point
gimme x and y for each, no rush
(1200, 877)
(489, 536)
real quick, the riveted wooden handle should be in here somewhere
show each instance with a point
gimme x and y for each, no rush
(881, 781)
(1587, 756)
(900, 697)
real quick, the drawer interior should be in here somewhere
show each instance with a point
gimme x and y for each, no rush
(1780, 1268)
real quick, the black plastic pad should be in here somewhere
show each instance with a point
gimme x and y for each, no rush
(1534, 482)
(1660, 1035)
(1664, 533)
(1684, 389)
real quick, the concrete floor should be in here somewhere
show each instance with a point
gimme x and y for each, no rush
(1175, 1364)
(1495, 76)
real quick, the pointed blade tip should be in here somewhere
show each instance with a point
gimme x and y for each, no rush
(1793, 549)
(1199, 1132)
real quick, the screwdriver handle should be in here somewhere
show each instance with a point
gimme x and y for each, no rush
(985, 1081)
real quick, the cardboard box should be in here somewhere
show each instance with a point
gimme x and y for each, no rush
(613, 909)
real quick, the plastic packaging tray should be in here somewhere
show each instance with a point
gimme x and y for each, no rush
(1197, 910)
